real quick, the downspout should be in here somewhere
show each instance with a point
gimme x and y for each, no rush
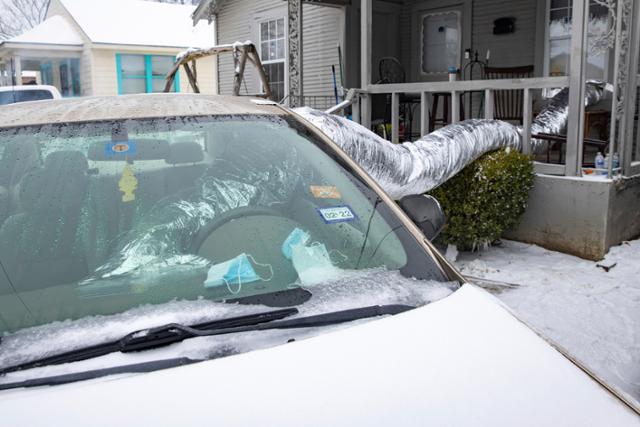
(216, 73)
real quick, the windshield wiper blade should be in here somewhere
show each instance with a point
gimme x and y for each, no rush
(135, 368)
(153, 337)
(174, 332)
(317, 320)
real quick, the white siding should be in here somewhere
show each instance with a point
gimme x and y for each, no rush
(105, 75)
(322, 31)
(206, 69)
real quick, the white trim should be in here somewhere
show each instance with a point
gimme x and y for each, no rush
(42, 46)
(285, 59)
(269, 15)
(547, 41)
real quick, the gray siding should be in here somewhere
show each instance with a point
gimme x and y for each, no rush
(323, 29)
(507, 50)
(518, 48)
(235, 20)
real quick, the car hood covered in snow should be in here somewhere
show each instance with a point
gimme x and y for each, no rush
(463, 360)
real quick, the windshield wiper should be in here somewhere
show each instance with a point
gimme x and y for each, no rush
(174, 332)
(135, 368)
(150, 338)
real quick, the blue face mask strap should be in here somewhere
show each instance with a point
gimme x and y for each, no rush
(236, 292)
(268, 266)
(229, 286)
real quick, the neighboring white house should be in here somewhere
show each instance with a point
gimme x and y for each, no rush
(96, 47)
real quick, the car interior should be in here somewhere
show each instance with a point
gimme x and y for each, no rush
(67, 217)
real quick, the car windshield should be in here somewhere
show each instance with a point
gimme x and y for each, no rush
(117, 217)
(23, 95)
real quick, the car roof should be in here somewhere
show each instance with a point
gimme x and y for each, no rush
(28, 87)
(99, 108)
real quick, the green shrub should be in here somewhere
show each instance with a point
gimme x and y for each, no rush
(486, 198)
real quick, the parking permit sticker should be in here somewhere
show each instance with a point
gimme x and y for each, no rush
(336, 214)
(325, 192)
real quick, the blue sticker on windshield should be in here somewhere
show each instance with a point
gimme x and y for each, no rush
(120, 149)
(333, 214)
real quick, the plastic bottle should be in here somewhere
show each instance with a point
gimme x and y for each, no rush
(607, 161)
(453, 74)
(616, 162)
(599, 162)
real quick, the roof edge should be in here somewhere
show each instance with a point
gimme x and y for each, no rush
(204, 10)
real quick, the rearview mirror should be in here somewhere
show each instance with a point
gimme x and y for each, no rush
(426, 212)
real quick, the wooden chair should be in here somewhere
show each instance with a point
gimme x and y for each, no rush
(508, 103)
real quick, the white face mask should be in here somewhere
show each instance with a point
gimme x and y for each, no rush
(313, 265)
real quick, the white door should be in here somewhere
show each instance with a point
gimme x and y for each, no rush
(439, 34)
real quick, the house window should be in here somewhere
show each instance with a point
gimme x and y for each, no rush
(559, 39)
(272, 54)
(144, 73)
(70, 77)
(440, 42)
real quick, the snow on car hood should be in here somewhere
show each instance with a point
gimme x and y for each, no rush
(463, 360)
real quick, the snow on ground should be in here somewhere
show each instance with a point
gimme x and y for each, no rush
(592, 313)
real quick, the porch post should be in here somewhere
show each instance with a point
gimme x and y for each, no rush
(577, 77)
(294, 30)
(631, 91)
(395, 118)
(366, 19)
(15, 69)
(424, 113)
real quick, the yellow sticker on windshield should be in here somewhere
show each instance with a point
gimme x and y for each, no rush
(128, 184)
(325, 192)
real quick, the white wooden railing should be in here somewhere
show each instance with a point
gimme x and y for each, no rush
(455, 88)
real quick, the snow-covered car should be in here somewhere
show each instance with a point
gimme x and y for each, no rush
(205, 260)
(13, 94)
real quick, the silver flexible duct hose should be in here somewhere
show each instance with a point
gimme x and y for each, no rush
(553, 117)
(417, 167)
(414, 168)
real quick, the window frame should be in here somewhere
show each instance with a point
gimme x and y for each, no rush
(547, 39)
(285, 59)
(148, 76)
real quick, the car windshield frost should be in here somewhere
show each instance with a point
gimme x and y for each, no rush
(103, 218)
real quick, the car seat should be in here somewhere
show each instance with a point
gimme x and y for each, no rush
(19, 157)
(39, 246)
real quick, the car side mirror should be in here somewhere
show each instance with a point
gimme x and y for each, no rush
(426, 212)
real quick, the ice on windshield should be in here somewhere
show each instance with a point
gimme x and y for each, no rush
(123, 225)
(352, 290)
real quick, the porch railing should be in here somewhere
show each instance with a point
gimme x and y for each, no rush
(455, 88)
